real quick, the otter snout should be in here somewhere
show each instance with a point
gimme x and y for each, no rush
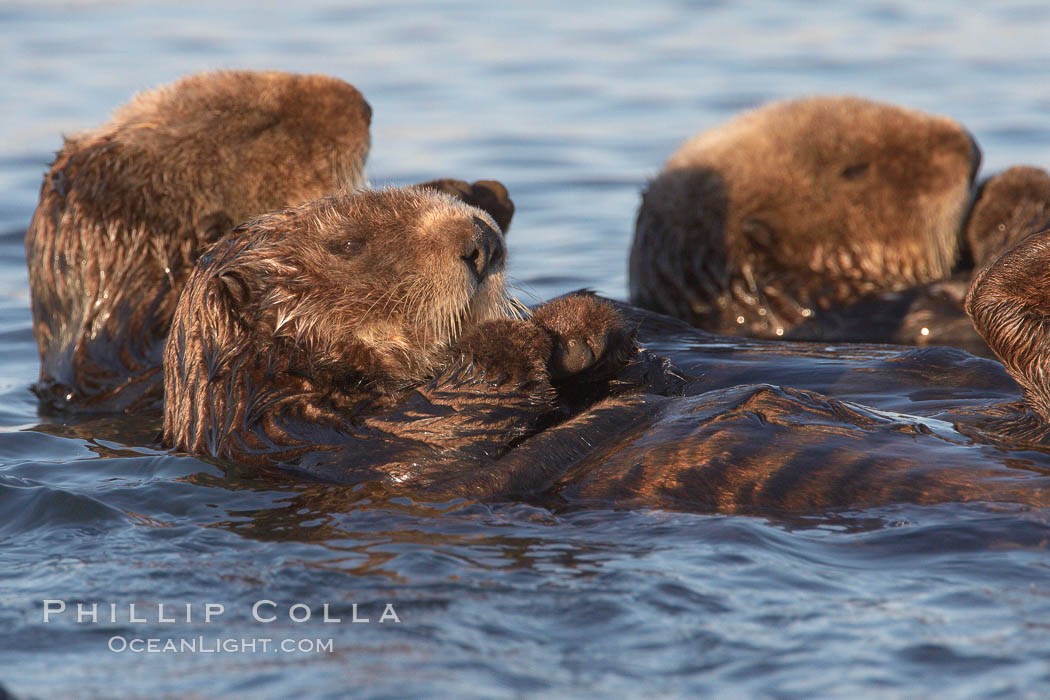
(485, 252)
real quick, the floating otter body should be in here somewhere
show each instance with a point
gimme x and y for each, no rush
(126, 208)
(740, 440)
(368, 336)
(304, 342)
(774, 224)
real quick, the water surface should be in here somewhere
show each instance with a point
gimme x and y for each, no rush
(573, 106)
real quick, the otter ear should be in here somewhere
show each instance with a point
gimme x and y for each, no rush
(233, 285)
(488, 195)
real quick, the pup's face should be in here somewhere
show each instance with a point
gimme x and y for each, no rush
(1009, 207)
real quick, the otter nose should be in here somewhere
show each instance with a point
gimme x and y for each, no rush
(485, 251)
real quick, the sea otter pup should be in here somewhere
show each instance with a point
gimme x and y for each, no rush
(761, 226)
(1010, 206)
(126, 208)
(369, 335)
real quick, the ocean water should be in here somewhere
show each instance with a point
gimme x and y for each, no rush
(573, 106)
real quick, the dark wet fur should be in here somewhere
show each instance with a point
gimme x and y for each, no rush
(738, 439)
(1010, 305)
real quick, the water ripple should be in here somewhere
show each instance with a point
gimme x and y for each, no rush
(574, 108)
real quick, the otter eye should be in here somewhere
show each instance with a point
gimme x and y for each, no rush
(852, 172)
(349, 247)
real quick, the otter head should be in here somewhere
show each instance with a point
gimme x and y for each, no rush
(1009, 304)
(235, 144)
(352, 291)
(1008, 207)
(802, 203)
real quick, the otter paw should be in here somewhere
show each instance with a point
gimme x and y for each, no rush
(488, 195)
(589, 336)
(508, 350)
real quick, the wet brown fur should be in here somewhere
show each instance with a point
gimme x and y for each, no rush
(126, 208)
(357, 337)
(761, 225)
(1009, 207)
(1009, 300)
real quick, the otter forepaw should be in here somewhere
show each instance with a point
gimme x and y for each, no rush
(589, 336)
(508, 350)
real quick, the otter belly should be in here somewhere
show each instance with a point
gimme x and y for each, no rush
(785, 427)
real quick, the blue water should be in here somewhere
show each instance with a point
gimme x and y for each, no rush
(573, 106)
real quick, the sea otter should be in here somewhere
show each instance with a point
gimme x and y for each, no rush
(770, 224)
(368, 337)
(125, 208)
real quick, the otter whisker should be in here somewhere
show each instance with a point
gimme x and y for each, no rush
(514, 307)
(527, 291)
(381, 299)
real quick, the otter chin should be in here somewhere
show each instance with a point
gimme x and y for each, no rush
(125, 209)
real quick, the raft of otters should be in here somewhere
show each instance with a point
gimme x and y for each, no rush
(369, 336)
